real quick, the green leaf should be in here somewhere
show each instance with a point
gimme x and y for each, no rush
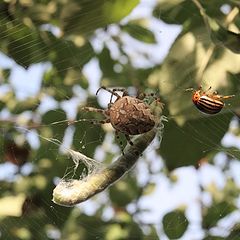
(115, 10)
(41, 13)
(186, 145)
(224, 37)
(182, 69)
(175, 11)
(139, 32)
(186, 13)
(124, 192)
(66, 54)
(83, 17)
(5, 73)
(87, 137)
(74, 224)
(216, 212)
(152, 233)
(21, 47)
(235, 232)
(106, 63)
(54, 121)
(175, 224)
(30, 104)
(211, 237)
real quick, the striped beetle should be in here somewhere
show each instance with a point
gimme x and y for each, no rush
(209, 103)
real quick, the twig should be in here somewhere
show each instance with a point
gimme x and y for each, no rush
(69, 193)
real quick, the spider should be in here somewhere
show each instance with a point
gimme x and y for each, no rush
(128, 115)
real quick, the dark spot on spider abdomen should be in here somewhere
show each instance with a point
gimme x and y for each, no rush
(131, 116)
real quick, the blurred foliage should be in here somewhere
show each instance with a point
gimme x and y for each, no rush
(175, 224)
(67, 35)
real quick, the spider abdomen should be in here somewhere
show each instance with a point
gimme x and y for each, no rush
(131, 116)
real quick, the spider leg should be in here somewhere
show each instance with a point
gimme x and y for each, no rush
(92, 109)
(125, 93)
(120, 142)
(109, 90)
(100, 121)
(128, 139)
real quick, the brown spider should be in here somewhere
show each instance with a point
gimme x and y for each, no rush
(128, 115)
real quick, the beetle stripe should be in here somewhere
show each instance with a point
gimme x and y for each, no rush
(209, 100)
(208, 110)
(209, 105)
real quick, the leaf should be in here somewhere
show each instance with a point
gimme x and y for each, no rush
(21, 48)
(60, 91)
(83, 17)
(211, 237)
(129, 230)
(115, 232)
(124, 192)
(139, 32)
(186, 145)
(30, 104)
(224, 37)
(175, 12)
(235, 232)
(186, 13)
(74, 224)
(56, 122)
(175, 224)
(216, 212)
(183, 69)
(87, 137)
(41, 13)
(115, 10)
(106, 63)
(152, 233)
(66, 54)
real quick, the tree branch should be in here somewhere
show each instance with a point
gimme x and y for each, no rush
(71, 192)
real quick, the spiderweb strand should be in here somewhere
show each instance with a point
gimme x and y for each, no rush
(71, 192)
(91, 164)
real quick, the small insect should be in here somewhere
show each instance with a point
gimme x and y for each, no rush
(209, 103)
(128, 115)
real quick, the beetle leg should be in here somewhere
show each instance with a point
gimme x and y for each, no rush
(220, 97)
(189, 90)
(226, 97)
(205, 92)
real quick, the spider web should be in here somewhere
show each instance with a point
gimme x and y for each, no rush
(207, 181)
